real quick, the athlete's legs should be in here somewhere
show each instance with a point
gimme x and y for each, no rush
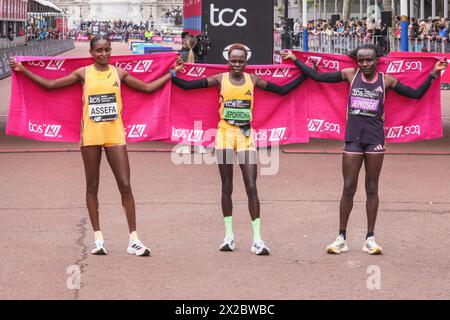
(351, 164)
(249, 170)
(118, 160)
(225, 162)
(373, 163)
(92, 156)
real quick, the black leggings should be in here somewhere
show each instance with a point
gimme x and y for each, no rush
(247, 163)
(351, 165)
(117, 157)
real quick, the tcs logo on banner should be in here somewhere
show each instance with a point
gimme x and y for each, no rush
(402, 131)
(232, 18)
(187, 134)
(55, 65)
(196, 72)
(136, 131)
(140, 66)
(325, 63)
(274, 73)
(319, 125)
(48, 130)
(273, 134)
(403, 66)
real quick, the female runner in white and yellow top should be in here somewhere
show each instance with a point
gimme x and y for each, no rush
(102, 127)
(234, 133)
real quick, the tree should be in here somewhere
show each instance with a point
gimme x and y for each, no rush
(346, 9)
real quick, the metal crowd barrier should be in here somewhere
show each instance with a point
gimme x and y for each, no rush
(418, 45)
(48, 47)
(5, 43)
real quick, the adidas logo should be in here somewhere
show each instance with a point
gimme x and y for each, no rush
(379, 89)
(116, 84)
(248, 93)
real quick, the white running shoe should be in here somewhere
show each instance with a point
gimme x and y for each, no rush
(371, 247)
(183, 149)
(137, 248)
(228, 244)
(260, 248)
(99, 248)
(338, 246)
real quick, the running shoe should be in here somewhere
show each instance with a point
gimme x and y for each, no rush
(228, 244)
(99, 248)
(137, 248)
(371, 247)
(338, 246)
(260, 248)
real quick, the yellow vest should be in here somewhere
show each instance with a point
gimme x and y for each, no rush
(102, 107)
(236, 102)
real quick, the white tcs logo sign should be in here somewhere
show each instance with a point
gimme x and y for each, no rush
(238, 19)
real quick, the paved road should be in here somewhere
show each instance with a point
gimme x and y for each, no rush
(45, 228)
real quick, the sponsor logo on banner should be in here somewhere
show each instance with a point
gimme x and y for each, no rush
(187, 134)
(139, 66)
(136, 131)
(319, 125)
(325, 63)
(239, 19)
(36, 63)
(55, 65)
(273, 134)
(277, 73)
(402, 131)
(196, 72)
(48, 130)
(400, 66)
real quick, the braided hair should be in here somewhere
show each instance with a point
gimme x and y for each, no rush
(97, 38)
(352, 54)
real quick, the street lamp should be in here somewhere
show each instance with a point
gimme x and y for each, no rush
(286, 35)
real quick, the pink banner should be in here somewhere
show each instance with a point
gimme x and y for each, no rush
(406, 119)
(445, 77)
(171, 114)
(37, 113)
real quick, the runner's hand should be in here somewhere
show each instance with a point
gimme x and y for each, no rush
(288, 54)
(440, 66)
(179, 64)
(16, 66)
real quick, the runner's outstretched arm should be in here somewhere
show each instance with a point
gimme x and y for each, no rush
(154, 85)
(272, 87)
(197, 84)
(330, 77)
(418, 93)
(49, 84)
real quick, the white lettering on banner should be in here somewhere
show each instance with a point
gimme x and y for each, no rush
(328, 64)
(55, 65)
(128, 66)
(187, 134)
(263, 72)
(143, 66)
(319, 125)
(402, 131)
(37, 63)
(273, 134)
(196, 71)
(403, 66)
(49, 130)
(136, 131)
(281, 73)
(221, 21)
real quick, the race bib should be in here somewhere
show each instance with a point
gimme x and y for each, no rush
(103, 107)
(237, 112)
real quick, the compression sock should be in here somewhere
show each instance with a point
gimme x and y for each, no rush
(228, 226)
(256, 229)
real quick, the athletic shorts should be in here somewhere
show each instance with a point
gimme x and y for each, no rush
(229, 137)
(361, 148)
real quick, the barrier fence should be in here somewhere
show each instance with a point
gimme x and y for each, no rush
(48, 47)
(339, 43)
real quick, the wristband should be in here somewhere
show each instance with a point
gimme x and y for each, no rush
(173, 73)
